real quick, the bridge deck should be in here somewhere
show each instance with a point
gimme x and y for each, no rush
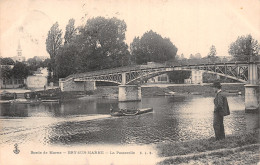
(146, 70)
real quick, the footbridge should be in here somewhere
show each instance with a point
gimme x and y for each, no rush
(129, 77)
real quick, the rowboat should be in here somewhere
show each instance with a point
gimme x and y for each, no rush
(125, 112)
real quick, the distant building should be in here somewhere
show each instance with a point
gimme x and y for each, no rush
(11, 83)
(163, 78)
(19, 57)
(7, 83)
(39, 79)
(41, 72)
(187, 81)
(195, 78)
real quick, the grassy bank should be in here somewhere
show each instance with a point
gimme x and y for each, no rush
(186, 152)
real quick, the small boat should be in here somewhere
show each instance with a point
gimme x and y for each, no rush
(50, 100)
(125, 112)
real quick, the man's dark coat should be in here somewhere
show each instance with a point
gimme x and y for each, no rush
(221, 109)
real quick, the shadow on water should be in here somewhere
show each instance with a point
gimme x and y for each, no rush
(14, 110)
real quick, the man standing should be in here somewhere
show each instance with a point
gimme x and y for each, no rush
(221, 109)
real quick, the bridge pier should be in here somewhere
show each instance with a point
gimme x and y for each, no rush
(251, 98)
(252, 89)
(129, 93)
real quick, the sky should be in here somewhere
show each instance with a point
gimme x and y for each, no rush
(191, 25)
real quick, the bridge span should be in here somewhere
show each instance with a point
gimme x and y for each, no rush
(128, 78)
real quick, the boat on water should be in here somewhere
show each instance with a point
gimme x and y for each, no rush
(24, 101)
(56, 101)
(127, 112)
(28, 101)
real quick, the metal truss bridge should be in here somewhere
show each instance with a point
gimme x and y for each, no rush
(139, 73)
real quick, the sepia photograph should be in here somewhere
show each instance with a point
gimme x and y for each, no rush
(129, 82)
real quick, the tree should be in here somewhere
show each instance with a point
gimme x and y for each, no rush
(66, 61)
(34, 63)
(6, 61)
(197, 56)
(101, 44)
(53, 43)
(70, 32)
(20, 70)
(191, 56)
(212, 51)
(243, 47)
(137, 54)
(212, 54)
(6, 73)
(178, 76)
(46, 63)
(152, 48)
(195, 59)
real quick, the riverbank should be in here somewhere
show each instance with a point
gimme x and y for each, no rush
(240, 149)
(148, 90)
(172, 89)
(191, 89)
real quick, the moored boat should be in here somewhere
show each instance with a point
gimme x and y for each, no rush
(126, 112)
(24, 101)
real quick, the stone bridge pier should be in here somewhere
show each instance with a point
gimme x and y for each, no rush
(252, 98)
(128, 92)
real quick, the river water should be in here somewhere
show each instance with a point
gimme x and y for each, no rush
(87, 121)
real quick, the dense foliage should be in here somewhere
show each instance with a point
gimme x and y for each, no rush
(178, 76)
(70, 32)
(243, 47)
(151, 47)
(53, 44)
(212, 55)
(19, 71)
(100, 44)
(6, 61)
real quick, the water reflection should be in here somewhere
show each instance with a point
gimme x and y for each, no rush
(173, 119)
(14, 110)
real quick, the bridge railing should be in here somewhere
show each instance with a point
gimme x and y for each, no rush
(108, 71)
(133, 68)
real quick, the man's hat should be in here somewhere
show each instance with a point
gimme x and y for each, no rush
(216, 84)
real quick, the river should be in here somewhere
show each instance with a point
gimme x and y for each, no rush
(87, 121)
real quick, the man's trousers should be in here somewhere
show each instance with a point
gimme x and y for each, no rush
(218, 126)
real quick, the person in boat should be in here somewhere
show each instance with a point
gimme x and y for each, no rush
(221, 109)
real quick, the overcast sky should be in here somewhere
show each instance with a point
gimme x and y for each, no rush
(192, 25)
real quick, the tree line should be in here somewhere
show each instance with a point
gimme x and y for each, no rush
(100, 44)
